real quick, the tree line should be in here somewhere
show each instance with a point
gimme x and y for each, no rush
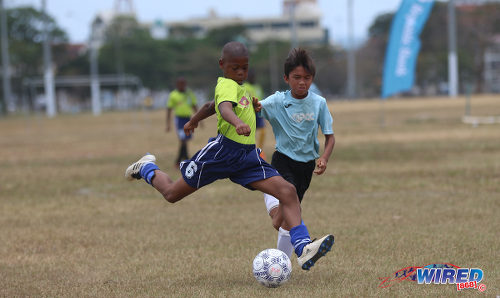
(129, 48)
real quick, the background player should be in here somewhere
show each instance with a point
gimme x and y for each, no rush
(183, 102)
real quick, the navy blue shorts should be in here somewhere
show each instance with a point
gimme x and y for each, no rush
(223, 158)
(179, 127)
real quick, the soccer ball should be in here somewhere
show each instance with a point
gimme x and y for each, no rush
(272, 268)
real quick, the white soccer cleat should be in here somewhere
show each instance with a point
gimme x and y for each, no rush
(133, 171)
(315, 250)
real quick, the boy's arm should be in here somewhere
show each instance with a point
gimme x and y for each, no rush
(207, 110)
(227, 113)
(169, 116)
(257, 106)
(323, 159)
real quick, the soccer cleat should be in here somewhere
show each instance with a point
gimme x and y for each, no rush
(315, 250)
(134, 170)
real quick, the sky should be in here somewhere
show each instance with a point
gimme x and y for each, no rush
(75, 16)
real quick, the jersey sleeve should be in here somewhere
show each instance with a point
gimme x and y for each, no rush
(269, 106)
(226, 92)
(325, 119)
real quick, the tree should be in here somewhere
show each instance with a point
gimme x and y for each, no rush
(371, 55)
(25, 33)
(476, 27)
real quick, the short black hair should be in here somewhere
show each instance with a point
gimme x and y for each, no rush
(299, 57)
(234, 49)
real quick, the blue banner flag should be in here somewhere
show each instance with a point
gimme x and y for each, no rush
(404, 45)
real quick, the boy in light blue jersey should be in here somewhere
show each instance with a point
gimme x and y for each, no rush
(232, 154)
(295, 116)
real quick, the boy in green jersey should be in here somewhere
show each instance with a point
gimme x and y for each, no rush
(232, 154)
(183, 102)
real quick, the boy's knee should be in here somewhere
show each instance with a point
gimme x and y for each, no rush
(276, 223)
(171, 198)
(288, 194)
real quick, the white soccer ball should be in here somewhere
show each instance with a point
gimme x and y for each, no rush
(272, 268)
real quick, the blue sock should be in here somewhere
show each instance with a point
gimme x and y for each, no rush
(300, 238)
(148, 171)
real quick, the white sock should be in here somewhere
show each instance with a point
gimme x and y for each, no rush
(271, 202)
(284, 242)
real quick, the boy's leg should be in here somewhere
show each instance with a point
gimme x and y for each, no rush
(146, 169)
(284, 242)
(183, 138)
(272, 206)
(308, 252)
(183, 155)
(171, 191)
(279, 188)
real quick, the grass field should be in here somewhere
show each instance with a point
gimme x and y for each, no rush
(408, 184)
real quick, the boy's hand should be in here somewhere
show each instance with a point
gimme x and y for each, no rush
(243, 129)
(320, 166)
(189, 127)
(257, 106)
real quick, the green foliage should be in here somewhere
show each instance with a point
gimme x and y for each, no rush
(25, 31)
(129, 48)
(220, 36)
(25, 27)
(476, 25)
(381, 26)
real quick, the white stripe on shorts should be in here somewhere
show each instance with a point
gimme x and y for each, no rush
(199, 177)
(207, 147)
(260, 162)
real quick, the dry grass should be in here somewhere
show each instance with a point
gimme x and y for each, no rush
(409, 184)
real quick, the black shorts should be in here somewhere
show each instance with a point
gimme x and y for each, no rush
(296, 172)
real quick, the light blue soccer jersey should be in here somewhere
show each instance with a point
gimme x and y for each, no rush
(295, 123)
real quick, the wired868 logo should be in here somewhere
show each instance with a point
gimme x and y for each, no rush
(444, 273)
(464, 278)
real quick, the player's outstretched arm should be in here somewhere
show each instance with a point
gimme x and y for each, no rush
(207, 110)
(257, 106)
(227, 113)
(323, 159)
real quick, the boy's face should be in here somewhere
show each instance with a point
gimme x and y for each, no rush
(181, 85)
(299, 81)
(235, 68)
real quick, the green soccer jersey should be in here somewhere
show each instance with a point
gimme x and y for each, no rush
(229, 90)
(182, 103)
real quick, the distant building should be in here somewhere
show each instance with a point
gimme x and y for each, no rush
(158, 30)
(307, 20)
(104, 18)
